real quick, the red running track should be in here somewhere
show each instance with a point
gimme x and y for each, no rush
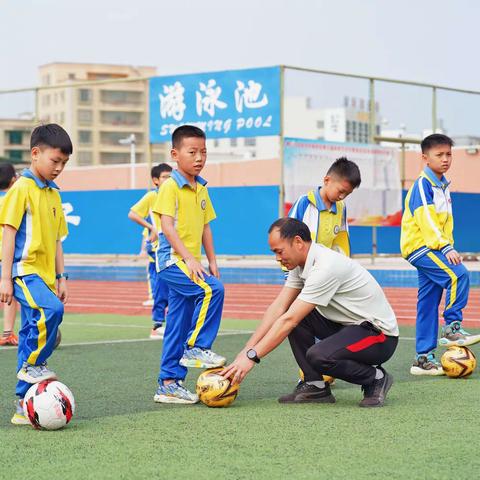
(242, 301)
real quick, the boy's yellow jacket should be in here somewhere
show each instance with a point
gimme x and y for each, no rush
(427, 222)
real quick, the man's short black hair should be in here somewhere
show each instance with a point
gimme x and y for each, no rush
(290, 228)
(347, 170)
(186, 131)
(157, 170)
(53, 136)
(7, 172)
(435, 140)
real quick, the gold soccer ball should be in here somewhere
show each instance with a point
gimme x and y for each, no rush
(215, 391)
(326, 378)
(458, 362)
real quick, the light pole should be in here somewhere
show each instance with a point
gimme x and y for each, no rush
(130, 140)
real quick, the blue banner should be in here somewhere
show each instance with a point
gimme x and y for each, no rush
(229, 104)
(98, 223)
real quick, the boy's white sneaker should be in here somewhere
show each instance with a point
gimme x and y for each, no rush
(202, 358)
(35, 373)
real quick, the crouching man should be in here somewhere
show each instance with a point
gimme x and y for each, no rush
(331, 297)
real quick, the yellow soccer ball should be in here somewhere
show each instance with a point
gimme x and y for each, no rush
(326, 378)
(458, 362)
(215, 391)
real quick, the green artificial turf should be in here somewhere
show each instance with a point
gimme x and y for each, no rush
(427, 430)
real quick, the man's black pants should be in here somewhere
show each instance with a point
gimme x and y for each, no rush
(347, 352)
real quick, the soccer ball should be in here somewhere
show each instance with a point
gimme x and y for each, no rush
(58, 340)
(326, 378)
(49, 405)
(458, 362)
(215, 391)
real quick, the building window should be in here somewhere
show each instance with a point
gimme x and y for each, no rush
(15, 137)
(250, 142)
(320, 124)
(159, 158)
(85, 137)
(216, 142)
(85, 95)
(113, 138)
(233, 142)
(118, 97)
(71, 76)
(84, 158)
(109, 158)
(46, 100)
(16, 156)
(85, 117)
(122, 118)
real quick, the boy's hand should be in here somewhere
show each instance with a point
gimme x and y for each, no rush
(454, 257)
(195, 268)
(62, 293)
(212, 266)
(153, 237)
(6, 291)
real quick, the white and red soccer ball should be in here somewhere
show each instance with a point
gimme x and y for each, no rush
(49, 405)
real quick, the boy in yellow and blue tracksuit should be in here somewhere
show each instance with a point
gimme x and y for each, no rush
(32, 256)
(427, 243)
(142, 214)
(324, 211)
(195, 299)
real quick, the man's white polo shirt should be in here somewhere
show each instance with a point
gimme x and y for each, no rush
(342, 290)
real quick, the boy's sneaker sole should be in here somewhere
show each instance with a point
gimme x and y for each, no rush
(461, 342)
(189, 363)
(19, 420)
(433, 372)
(171, 400)
(22, 375)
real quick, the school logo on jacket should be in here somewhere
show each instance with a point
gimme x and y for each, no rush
(203, 204)
(336, 229)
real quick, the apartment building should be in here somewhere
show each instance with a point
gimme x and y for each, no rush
(97, 117)
(15, 139)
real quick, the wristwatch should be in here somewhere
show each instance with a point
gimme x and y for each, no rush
(61, 275)
(252, 355)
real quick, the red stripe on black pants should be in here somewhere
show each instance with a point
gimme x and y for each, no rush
(349, 353)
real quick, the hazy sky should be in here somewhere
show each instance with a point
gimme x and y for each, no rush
(421, 40)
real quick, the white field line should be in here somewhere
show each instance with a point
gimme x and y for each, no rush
(134, 340)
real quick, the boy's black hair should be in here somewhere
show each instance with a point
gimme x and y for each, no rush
(7, 172)
(157, 170)
(53, 136)
(434, 140)
(290, 228)
(186, 131)
(346, 169)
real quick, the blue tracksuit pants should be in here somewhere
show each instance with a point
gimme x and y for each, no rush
(158, 289)
(436, 274)
(41, 313)
(193, 319)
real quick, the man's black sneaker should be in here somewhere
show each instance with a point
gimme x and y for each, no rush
(375, 393)
(305, 393)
